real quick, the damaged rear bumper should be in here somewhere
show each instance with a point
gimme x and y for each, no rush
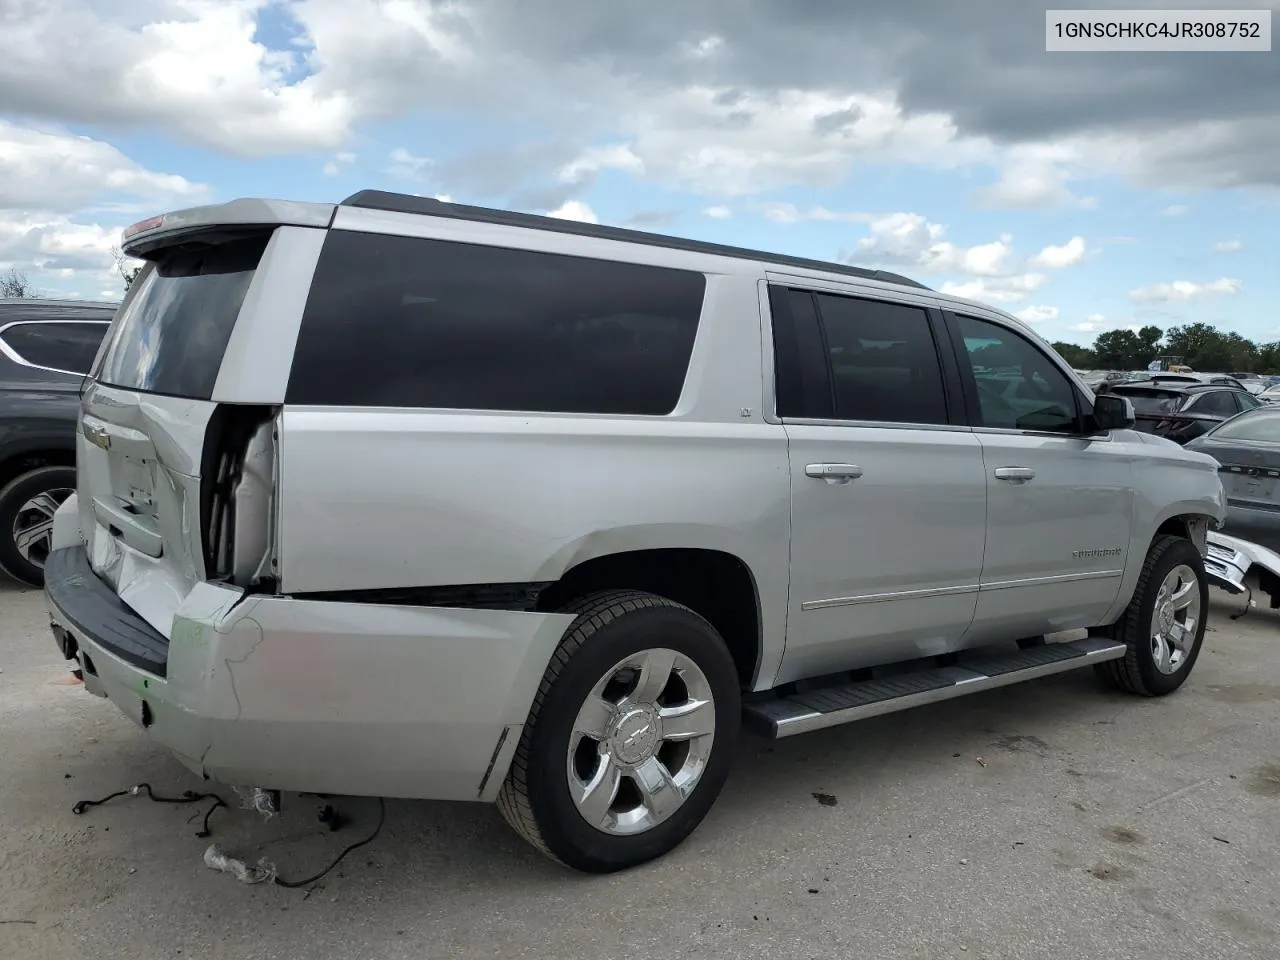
(310, 696)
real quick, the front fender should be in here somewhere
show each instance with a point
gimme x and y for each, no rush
(1196, 494)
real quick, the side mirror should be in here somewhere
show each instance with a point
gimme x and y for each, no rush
(1111, 412)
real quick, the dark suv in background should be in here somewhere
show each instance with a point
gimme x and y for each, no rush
(1181, 410)
(46, 348)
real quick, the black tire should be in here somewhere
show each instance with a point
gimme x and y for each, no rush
(535, 799)
(12, 498)
(1136, 672)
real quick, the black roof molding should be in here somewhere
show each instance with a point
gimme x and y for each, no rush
(404, 203)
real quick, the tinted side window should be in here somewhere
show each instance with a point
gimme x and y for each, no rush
(802, 386)
(1218, 403)
(407, 322)
(884, 363)
(66, 345)
(1019, 387)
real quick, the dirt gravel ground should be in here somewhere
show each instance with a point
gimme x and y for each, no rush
(1095, 825)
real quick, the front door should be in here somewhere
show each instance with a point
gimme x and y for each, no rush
(1059, 501)
(888, 495)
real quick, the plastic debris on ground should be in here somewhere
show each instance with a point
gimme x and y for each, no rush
(215, 858)
(264, 802)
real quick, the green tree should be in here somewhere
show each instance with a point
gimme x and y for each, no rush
(1150, 337)
(1081, 358)
(1121, 350)
(1205, 348)
(1268, 358)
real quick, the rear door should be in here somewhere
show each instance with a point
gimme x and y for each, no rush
(173, 446)
(888, 496)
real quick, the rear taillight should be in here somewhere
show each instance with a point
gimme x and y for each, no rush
(142, 226)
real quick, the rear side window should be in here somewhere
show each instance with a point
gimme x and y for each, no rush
(172, 331)
(1218, 403)
(409, 322)
(65, 345)
(884, 363)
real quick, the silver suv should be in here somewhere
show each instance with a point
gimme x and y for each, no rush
(396, 497)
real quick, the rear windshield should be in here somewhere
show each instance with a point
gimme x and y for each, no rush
(1258, 426)
(1152, 402)
(172, 331)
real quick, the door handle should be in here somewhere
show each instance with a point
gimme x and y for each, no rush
(833, 471)
(1015, 474)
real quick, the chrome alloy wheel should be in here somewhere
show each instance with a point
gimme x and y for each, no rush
(1175, 619)
(641, 742)
(33, 525)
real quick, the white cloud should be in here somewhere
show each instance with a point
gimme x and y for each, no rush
(1228, 246)
(997, 290)
(407, 166)
(618, 156)
(1093, 323)
(55, 244)
(574, 210)
(1184, 290)
(1057, 258)
(1176, 210)
(790, 213)
(190, 67)
(46, 169)
(338, 163)
(1035, 177)
(705, 47)
(909, 240)
(727, 142)
(718, 213)
(1037, 314)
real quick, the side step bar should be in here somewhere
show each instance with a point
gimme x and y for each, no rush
(831, 706)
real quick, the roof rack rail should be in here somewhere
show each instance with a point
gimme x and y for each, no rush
(405, 203)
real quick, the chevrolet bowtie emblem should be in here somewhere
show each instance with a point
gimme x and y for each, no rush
(98, 436)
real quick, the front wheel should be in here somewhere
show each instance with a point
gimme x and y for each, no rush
(1164, 624)
(629, 738)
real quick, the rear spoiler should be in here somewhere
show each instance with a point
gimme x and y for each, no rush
(153, 233)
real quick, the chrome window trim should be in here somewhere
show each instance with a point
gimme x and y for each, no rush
(960, 590)
(10, 352)
(875, 424)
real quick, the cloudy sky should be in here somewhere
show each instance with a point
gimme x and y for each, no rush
(937, 138)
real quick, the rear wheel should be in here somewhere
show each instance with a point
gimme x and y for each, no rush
(630, 736)
(27, 506)
(1164, 624)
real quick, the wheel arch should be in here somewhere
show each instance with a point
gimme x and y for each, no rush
(17, 460)
(716, 584)
(1190, 520)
